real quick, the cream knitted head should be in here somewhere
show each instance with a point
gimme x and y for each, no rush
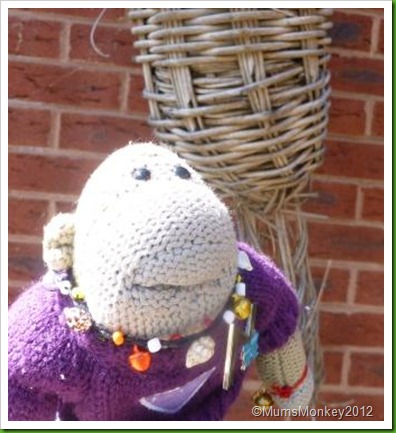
(154, 249)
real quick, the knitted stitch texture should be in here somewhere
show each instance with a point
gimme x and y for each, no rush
(285, 366)
(153, 255)
(53, 369)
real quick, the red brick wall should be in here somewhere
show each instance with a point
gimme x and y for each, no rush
(351, 194)
(68, 107)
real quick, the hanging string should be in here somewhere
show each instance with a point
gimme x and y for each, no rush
(92, 35)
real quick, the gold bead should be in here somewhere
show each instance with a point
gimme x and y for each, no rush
(262, 398)
(118, 338)
(242, 308)
(77, 294)
(238, 278)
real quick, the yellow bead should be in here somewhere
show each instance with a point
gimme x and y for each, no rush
(238, 278)
(118, 338)
(77, 294)
(242, 308)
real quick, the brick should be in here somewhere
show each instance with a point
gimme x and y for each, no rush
(336, 287)
(27, 217)
(48, 173)
(342, 242)
(251, 373)
(64, 85)
(33, 38)
(374, 11)
(332, 199)
(136, 102)
(111, 14)
(115, 43)
(351, 329)
(28, 126)
(357, 75)
(65, 207)
(100, 133)
(13, 292)
(380, 48)
(351, 31)
(373, 204)
(367, 369)
(355, 160)
(332, 366)
(362, 404)
(347, 116)
(370, 288)
(24, 261)
(377, 128)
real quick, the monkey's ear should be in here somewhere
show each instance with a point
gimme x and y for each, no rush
(58, 242)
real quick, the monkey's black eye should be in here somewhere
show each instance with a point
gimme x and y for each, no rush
(141, 174)
(182, 172)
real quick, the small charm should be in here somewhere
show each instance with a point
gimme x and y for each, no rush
(77, 319)
(249, 351)
(251, 321)
(244, 261)
(262, 398)
(229, 364)
(200, 351)
(118, 338)
(139, 360)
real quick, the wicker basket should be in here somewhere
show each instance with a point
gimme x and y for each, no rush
(242, 94)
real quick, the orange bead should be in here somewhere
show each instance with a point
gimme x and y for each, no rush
(139, 360)
(118, 338)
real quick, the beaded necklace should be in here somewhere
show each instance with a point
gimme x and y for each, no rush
(238, 307)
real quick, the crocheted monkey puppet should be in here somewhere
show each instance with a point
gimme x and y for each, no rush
(150, 309)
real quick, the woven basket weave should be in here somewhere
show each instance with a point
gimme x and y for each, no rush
(242, 94)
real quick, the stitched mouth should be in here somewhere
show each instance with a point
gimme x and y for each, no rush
(173, 400)
(211, 282)
(171, 311)
(205, 302)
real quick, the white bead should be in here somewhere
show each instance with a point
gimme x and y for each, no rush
(240, 289)
(228, 317)
(244, 261)
(154, 345)
(64, 287)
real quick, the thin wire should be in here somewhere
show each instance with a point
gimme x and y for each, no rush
(92, 35)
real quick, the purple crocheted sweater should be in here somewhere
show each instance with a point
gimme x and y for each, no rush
(53, 370)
